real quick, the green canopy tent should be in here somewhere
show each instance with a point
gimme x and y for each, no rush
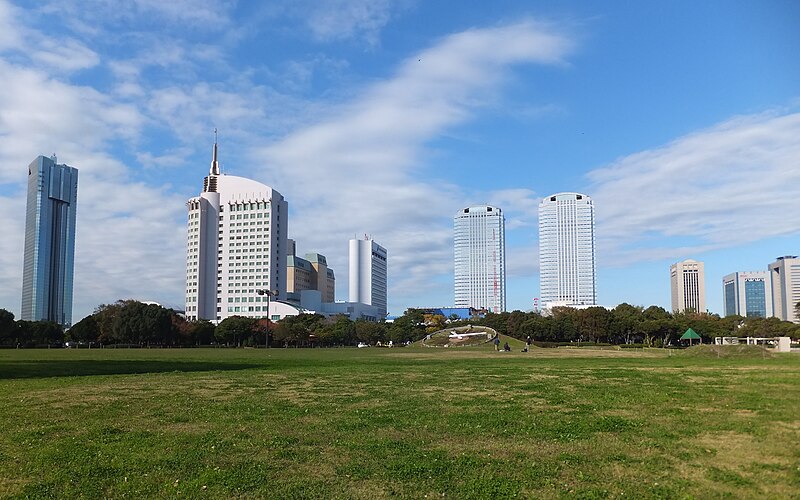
(691, 335)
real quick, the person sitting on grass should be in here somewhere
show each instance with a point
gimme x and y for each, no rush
(506, 347)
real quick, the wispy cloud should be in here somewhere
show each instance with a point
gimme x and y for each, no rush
(89, 16)
(361, 171)
(349, 19)
(128, 233)
(356, 169)
(734, 183)
(520, 206)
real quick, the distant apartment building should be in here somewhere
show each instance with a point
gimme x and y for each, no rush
(236, 247)
(480, 258)
(49, 257)
(567, 265)
(368, 273)
(784, 276)
(687, 283)
(747, 294)
(309, 273)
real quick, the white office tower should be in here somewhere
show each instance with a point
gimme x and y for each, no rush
(480, 258)
(236, 245)
(567, 266)
(688, 286)
(784, 276)
(368, 271)
(747, 294)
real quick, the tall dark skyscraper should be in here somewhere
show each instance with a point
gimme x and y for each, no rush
(49, 242)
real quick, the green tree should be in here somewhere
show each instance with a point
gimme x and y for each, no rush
(86, 330)
(39, 333)
(409, 326)
(514, 324)
(105, 315)
(235, 330)
(336, 330)
(139, 323)
(657, 327)
(370, 331)
(8, 327)
(496, 321)
(563, 327)
(625, 325)
(298, 329)
(201, 332)
(593, 324)
(538, 327)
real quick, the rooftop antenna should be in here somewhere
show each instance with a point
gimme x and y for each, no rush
(214, 162)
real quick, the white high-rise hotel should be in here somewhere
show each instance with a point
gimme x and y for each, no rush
(368, 273)
(236, 245)
(566, 250)
(480, 258)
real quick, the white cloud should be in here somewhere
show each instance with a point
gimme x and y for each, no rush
(88, 16)
(9, 26)
(734, 183)
(356, 170)
(520, 207)
(42, 115)
(64, 55)
(359, 170)
(348, 19)
(130, 241)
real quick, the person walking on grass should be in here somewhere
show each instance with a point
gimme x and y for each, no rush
(497, 342)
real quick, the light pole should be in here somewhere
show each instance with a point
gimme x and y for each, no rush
(267, 294)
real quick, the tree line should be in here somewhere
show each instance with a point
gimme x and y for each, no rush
(628, 324)
(133, 323)
(129, 322)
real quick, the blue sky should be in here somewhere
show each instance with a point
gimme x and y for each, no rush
(680, 119)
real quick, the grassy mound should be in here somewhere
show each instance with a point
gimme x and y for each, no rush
(728, 351)
(462, 336)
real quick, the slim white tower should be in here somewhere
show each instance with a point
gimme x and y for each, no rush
(688, 286)
(567, 265)
(480, 258)
(368, 274)
(236, 245)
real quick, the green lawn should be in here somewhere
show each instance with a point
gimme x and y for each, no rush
(366, 423)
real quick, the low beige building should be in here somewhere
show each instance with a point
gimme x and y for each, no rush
(309, 273)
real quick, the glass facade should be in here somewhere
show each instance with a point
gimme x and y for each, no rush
(49, 258)
(480, 258)
(748, 294)
(755, 298)
(730, 298)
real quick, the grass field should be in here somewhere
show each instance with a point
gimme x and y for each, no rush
(367, 423)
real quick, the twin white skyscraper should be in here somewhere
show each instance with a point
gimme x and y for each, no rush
(567, 264)
(567, 261)
(480, 258)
